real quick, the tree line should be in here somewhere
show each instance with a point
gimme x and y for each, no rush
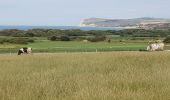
(91, 35)
(77, 32)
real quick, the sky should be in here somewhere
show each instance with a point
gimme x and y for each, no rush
(72, 12)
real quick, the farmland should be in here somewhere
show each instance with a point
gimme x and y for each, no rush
(53, 40)
(65, 67)
(86, 76)
(45, 46)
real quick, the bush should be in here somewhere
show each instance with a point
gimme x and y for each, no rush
(167, 40)
(64, 38)
(2, 40)
(20, 40)
(97, 38)
(52, 38)
(59, 38)
(109, 40)
(29, 34)
(30, 40)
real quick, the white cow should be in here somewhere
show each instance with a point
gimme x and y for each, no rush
(24, 50)
(156, 47)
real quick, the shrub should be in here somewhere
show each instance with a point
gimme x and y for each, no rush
(30, 40)
(52, 38)
(97, 38)
(64, 38)
(20, 40)
(109, 40)
(2, 40)
(29, 34)
(167, 40)
(59, 38)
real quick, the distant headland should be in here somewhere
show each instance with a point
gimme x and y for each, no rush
(142, 23)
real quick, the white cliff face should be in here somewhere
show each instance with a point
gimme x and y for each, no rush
(155, 25)
(145, 23)
(91, 22)
(89, 25)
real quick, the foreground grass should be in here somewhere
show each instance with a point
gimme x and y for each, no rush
(86, 76)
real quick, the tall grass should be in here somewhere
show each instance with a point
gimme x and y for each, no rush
(86, 76)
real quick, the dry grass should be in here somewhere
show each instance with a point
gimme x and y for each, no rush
(86, 76)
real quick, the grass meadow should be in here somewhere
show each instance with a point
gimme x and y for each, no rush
(42, 45)
(86, 76)
(46, 46)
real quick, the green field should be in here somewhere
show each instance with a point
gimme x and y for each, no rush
(75, 46)
(42, 45)
(86, 76)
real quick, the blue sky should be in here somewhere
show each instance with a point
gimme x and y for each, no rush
(71, 12)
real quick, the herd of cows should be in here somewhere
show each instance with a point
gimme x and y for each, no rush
(154, 46)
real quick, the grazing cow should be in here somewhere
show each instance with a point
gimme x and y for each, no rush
(24, 50)
(156, 47)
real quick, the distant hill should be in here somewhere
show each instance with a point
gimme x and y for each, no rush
(144, 23)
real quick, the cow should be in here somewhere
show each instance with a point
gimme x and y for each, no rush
(25, 50)
(156, 47)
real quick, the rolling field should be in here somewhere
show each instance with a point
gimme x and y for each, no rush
(86, 76)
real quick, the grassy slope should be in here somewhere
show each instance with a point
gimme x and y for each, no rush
(86, 76)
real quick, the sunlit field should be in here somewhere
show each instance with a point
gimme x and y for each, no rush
(86, 76)
(75, 46)
(42, 45)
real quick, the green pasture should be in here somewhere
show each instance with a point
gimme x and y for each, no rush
(75, 46)
(43, 45)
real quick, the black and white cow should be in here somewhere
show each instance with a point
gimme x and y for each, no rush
(25, 50)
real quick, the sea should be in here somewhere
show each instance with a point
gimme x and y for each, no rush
(57, 27)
